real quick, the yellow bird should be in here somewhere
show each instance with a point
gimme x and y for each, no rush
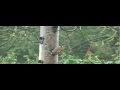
(57, 50)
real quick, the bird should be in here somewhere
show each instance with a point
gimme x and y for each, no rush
(56, 50)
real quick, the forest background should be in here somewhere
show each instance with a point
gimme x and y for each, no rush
(88, 45)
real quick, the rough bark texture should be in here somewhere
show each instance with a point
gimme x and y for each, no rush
(51, 40)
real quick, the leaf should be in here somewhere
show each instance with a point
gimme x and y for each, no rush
(117, 62)
(71, 61)
(102, 43)
(65, 61)
(78, 61)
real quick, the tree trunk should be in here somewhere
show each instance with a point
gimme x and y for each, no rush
(50, 37)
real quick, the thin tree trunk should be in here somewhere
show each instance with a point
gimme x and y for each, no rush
(51, 40)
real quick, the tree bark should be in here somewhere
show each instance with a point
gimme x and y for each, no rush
(51, 40)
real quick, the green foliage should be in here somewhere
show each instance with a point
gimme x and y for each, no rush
(103, 39)
(19, 38)
(96, 60)
(12, 59)
(9, 59)
(64, 59)
(69, 59)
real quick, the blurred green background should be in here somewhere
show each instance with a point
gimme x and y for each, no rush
(95, 45)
